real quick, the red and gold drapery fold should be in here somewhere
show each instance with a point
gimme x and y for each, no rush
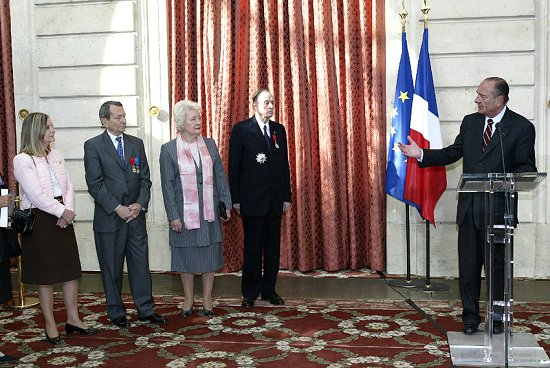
(324, 61)
(8, 139)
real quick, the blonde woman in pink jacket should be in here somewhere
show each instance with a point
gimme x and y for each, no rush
(50, 253)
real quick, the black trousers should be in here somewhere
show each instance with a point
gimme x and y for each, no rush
(5, 277)
(262, 242)
(5, 280)
(471, 258)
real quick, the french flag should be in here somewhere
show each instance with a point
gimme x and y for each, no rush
(424, 186)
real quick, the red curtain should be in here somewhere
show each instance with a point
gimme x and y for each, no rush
(8, 140)
(324, 61)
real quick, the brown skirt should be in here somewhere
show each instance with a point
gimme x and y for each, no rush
(50, 253)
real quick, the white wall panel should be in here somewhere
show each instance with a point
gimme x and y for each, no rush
(476, 8)
(479, 36)
(445, 210)
(525, 250)
(108, 81)
(75, 2)
(541, 253)
(470, 70)
(112, 49)
(449, 131)
(111, 16)
(84, 207)
(76, 173)
(525, 207)
(86, 244)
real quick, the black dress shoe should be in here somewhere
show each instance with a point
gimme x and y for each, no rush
(274, 299)
(71, 329)
(154, 318)
(469, 329)
(121, 322)
(498, 327)
(247, 303)
(53, 340)
(7, 358)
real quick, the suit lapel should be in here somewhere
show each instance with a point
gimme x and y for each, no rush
(173, 151)
(129, 150)
(505, 123)
(478, 133)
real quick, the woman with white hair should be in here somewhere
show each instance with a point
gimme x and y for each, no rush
(196, 195)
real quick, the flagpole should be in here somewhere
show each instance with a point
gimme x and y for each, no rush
(429, 286)
(408, 282)
(428, 277)
(408, 239)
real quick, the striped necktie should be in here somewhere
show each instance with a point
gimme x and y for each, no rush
(487, 134)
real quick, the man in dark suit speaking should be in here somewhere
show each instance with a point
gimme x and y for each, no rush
(117, 175)
(482, 152)
(259, 177)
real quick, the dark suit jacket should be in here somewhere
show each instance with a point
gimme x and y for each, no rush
(258, 186)
(518, 145)
(110, 183)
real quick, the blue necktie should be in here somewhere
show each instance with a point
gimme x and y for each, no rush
(267, 139)
(119, 149)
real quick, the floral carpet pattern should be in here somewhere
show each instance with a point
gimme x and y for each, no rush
(302, 333)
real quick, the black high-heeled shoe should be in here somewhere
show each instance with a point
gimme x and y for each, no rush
(71, 329)
(53, 340)
(206, 312)
(186, 313)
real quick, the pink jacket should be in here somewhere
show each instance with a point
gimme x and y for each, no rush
(35, 184)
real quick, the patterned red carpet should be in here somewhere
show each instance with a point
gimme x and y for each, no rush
(303, 333)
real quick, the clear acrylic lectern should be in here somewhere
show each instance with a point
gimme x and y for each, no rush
(507, 349)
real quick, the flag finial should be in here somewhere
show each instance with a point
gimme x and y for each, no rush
(425, 10)
(403, 14)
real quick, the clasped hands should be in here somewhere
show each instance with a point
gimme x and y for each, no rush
(177, 226)
(66, 218)
(129, 213)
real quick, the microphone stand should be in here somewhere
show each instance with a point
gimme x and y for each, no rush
(509, 223)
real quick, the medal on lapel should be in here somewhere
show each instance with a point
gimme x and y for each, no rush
(275, 139)
(134, 161)
(261, 158)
